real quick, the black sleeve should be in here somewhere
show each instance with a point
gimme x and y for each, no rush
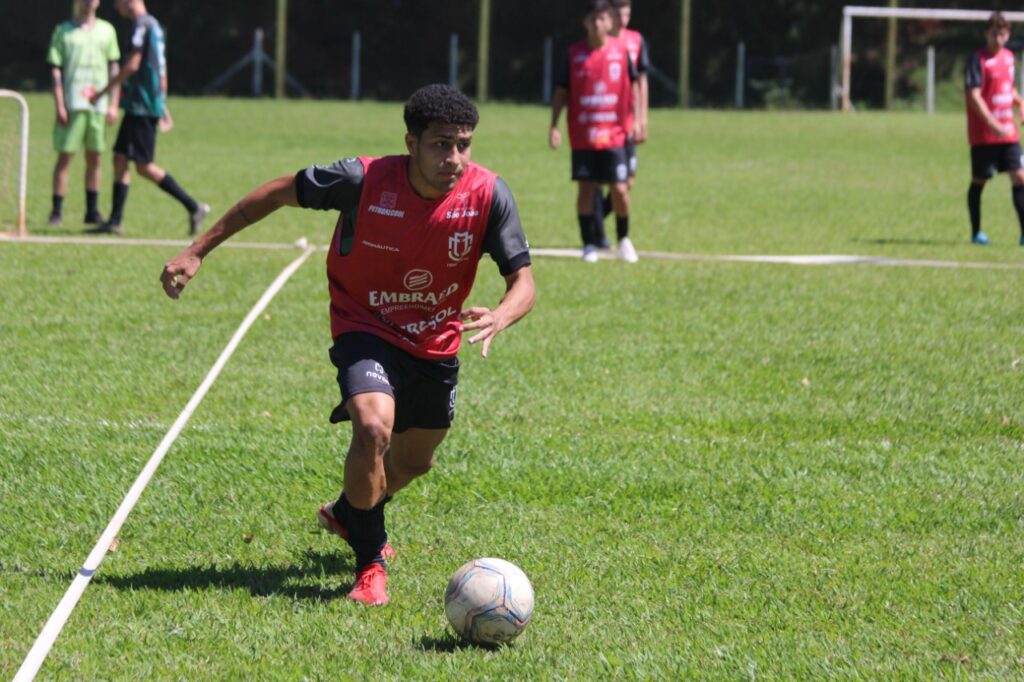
(972, 73)
(505, 240)
(634, 75)
(336, 187)
(643, 62)
(562, 73)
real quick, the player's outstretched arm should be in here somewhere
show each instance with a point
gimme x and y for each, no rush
(254, 207)
(520, 293)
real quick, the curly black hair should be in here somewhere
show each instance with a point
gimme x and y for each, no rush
(438, 103)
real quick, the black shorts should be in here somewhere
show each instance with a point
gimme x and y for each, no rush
(136, 138)
(424, 390)
(989, 159)
(604, 166)
(631, 157)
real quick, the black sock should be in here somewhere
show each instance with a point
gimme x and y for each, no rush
(1018, 203)
(599, 215)
(58, 204)
(174, 189)
(606, 203)
(621, 227)
(120, 195)
(366, 533)
(91, 198)
(974, 207)
(588, 229)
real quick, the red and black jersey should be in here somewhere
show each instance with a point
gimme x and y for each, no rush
(600, 85)
(994, 76)
(637, 49)
(401, 266)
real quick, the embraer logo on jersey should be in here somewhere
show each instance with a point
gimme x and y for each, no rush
(386, 206)
(459, 245)
(417, 280)
(414, 299)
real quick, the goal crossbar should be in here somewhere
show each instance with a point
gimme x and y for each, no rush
(23, 158)
(851, 11)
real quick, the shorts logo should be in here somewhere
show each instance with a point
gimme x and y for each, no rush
(459, 245)
(417, 280)
(377, 367)
(451, 404)
(620, 172)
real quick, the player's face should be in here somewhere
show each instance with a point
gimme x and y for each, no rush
(624, 14)
(439, 158)
(996, 38)
(598, 25)
(123, 7)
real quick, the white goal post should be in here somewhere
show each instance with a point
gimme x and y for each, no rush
(23, 158)
(851, 11)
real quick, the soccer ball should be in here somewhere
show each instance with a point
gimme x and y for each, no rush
(488, 601)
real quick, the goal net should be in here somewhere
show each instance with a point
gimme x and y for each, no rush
(13, 161)
(932, 48)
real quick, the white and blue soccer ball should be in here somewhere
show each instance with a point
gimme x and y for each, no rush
(489, 601)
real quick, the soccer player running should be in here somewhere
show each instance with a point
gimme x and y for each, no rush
(596, 82)
(143, 78)
(83, 57)
(991, 130)
(636, 126)
(400, 265)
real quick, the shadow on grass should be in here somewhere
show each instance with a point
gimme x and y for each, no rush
(300, 581)
(885, 241)
(445, 645)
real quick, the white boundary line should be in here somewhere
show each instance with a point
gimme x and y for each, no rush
(60, 615)
(823, 259)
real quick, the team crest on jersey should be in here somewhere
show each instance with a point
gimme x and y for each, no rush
(615, 72)
(459, 245)
(388, 199)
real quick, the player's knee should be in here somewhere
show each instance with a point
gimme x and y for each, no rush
(371, 435)
(146, 170)
(414, 467)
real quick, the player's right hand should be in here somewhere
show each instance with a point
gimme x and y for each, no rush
(62, 117)
(178, 271)
(555, 138)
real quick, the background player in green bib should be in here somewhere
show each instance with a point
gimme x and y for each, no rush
(143, 81)
(83, 56)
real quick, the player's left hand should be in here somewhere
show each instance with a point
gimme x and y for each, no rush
(486, 321)
(111, 116)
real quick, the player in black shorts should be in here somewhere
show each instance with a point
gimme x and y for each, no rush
(991, 97)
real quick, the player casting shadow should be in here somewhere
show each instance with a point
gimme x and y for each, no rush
(297, 581)
(883, 241)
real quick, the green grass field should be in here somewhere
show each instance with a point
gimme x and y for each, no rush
(708, 469)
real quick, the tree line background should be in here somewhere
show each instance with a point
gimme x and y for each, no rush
(405, 44)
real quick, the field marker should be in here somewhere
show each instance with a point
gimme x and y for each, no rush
(822, 259)
(60, 615)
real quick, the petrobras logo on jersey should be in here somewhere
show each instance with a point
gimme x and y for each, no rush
(417, 280)
(382, 298)
(386, 206)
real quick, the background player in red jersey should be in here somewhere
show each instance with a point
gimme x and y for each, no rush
(636, 126)
(991, 129)
(596, 83)
(401, 263)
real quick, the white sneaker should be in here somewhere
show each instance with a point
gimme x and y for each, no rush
(590, 253)
(627, 252)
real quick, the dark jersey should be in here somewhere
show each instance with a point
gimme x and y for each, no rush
(401, 266)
